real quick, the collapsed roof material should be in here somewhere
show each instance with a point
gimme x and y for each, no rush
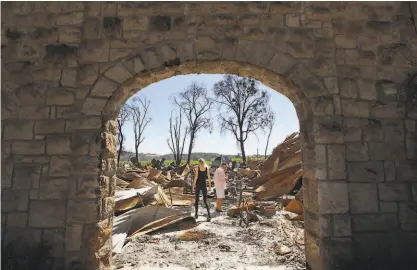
(145, 220)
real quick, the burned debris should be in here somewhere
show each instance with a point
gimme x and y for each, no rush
(156, 202)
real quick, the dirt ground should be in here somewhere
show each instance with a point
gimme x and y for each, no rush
(219, 244)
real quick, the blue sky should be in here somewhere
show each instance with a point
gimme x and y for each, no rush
(157, 131)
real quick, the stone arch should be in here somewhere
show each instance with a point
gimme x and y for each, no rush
(126, 77)
(350, 59)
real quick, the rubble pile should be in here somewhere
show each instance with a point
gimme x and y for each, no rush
(145, 196)
(142, 205)
(278, 177)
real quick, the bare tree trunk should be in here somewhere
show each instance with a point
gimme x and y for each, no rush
(120, 149)
(267, 142)
(190, 148)
(271, 125)
(242, 149)
(182, 148)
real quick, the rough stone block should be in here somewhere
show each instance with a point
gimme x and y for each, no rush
(389, 169)
(69, 34)
(55, 238)
(47, 214)
(292, 20)
(312, 244)
(14, 200)
(410, 125)
(25, 175)
(110, 146)
(73, 236)
(318, 224)
(323, 66)
(281, 63)
(28, 147)
(336, 162)
(320, 151)
(94, 51)
(373, 131)
(60, 97)
(86, 211)
(387, 111)
(328, 129)
(88, 74)
(251, 19)
(346, 42)
(69, 77)
(363, 198)
(367, 90)
(333, 198)
(332, 85)
(354, 108)
(18, 130)
(34, 112)
(104, 88)
(88, 188)
(92, 28)
(386, 151)
(49, 126)
(60, 166)
(118, 73)
(375, 222)
(352, 129)
(348, 88)
(351, 57)
(406, 171)
(17, 220)
(365, 172)
(22, 236)
(342, 225)
(414, 191)
(411, 145)
(408, 216)
(357, 151)
(388, 207)
(387, 91)
(53, 188)
(6, 175)
(324, 47)
(70, 18)
(393, 192)
(393, 130)
(58, 145)
(135, 23)
(94, 106)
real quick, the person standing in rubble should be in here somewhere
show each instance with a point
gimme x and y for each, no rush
(201, 175)
(220, 185)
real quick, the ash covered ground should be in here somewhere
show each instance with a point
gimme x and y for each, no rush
(220, 244)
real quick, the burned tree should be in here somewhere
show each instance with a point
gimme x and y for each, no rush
(196, 106)
(175, 143)
(121, 119)
(270, 126)
(243, 108)
(138, 110)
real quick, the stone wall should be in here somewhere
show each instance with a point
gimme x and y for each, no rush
(68, 67)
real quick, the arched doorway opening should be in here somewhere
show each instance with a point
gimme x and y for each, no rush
(314, 168)
(270, 238)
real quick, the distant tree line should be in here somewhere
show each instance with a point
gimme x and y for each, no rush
(242, 109)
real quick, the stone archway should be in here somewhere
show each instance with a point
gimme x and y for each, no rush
(67, 66)
(125, 83)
